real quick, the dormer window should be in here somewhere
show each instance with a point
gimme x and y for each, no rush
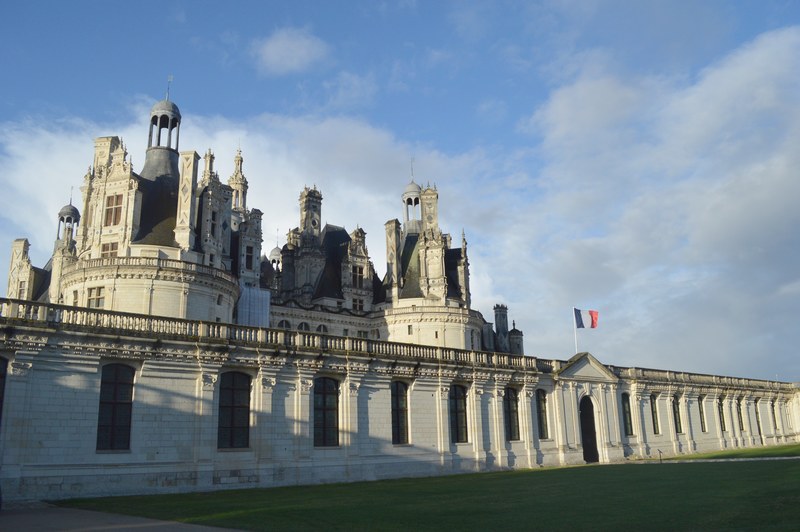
(358, 277)
(113, 210)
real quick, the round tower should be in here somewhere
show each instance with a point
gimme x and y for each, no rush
(411, 207)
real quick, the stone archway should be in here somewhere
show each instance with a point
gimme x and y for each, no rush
(588, 431)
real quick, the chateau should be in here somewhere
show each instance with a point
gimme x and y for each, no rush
(160, 350)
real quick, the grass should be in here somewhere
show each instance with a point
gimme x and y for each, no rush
(749, 452)
(763, 495)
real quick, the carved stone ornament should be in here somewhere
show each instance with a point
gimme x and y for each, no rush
(444, 391)
(20, 369)
(267, 383)
(306, 385)
(354, 389)
(209, 380)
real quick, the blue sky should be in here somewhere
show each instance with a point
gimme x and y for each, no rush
(638, 158)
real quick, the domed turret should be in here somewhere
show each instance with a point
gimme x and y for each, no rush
(275, 258)
(162, 146)
(411, 207)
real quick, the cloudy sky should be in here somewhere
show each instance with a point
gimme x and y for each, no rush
(640, 158)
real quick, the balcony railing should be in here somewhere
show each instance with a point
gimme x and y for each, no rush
(151, 262)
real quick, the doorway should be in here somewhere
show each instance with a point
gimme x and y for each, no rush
(588, 433)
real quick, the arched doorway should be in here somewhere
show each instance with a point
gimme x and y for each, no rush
(588, 433)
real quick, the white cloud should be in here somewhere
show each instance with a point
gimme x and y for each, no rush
(289, 51)
(349, 91)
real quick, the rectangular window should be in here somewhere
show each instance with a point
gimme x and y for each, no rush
(248, 257)
(627, 421)
(511, 413)
(410, 329)
(721, 413)
(358, 304)
(113, 210)
(326, 412)
(363, 334)
(109, 249)
(213, 224)
(22, 289)
(541, 414)
(700, 400)
(399, 412)
(233, 428)
(676, 414)
(74, 298)
(358, 277)
(458, 414)
(96, 298)
(116, 403)
(739, 414)
(654, 413)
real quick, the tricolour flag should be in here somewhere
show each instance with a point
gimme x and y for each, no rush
(585, 318)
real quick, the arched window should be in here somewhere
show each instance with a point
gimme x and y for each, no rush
(739, 413)
(303, 326)
(399, 412)
(676, 414)
(326, 412)
(721, 413)
(541, 414)
(322, 329)
(284, 324)
(116, 402)
(458, 414)
(654, 413)
(233, 429)
(627, 421)
(511, 413)
(701, 407)
(4, 372)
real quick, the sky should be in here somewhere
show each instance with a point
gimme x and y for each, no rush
(639, 158)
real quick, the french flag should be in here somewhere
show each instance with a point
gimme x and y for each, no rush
(585, 318)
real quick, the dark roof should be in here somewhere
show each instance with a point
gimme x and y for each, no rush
(334, 244)
(409, 267)
(159, 212)
(452, 257)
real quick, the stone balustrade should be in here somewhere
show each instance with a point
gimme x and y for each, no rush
(150, 262)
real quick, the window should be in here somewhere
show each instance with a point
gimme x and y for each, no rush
(116, 402)
(676, 414)
(627, 421)
(363, 334)
(654, 413)
(700, 400)
(358, 277)
(399, 412)
(541, 414)
(326, 412)
(322, 328)
(74, 298)
(3, 373)
(739, 413)
(410, 329)
(284, 324)
(219, 299)
(345, 332)
(511, 414)
(233, 429)
(758, 417)
(113, 210)
(213, 224)
(303, 326)
(211, 259)
(458, 414)
(721, 413)
(22, 289)
(358, 304)
(248, 257)
(109, 249)
(774, 422)
(96, 297)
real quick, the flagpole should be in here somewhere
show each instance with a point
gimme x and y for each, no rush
(575, 329)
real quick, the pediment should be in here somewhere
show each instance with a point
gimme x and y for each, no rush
(584, 366)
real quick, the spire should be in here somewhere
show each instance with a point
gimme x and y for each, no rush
(238, 183)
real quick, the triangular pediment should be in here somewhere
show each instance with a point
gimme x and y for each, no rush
(584, 366)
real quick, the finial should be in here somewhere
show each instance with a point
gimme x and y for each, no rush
(169, 80)
(276, 236)
(70, 195)
(412, 169)
(513, 324)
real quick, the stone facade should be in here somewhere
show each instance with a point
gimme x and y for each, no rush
(159, 351)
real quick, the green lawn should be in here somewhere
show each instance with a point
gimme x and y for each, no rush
(644, 496)
(749, 452)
